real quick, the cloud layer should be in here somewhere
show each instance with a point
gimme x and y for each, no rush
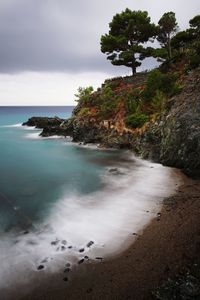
(63, 36)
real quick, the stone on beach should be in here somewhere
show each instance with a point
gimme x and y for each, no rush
(81, 261)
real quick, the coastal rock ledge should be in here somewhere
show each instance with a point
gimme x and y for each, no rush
(172, 138)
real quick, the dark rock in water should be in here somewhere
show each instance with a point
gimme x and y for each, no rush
(113, 170)
(134, 233)
(81, 250)
(68, 265)
(86, 257)
(81, 261)
(26, 232)
(69, 247)
(67, 270)
(90, 244)
(58, 248)
(40, 267)
(65, 279)
(41, 122)
(63, 248)
(64, 242)
(54, 243)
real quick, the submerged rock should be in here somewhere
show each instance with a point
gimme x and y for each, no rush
(68, 265)
(67, 270)
(90, 244)
(40, 267)
(54, 243)
(64, 242)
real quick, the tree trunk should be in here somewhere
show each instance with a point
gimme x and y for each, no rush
(169, 50)
(133, 69)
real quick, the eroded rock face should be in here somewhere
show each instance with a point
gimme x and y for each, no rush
(174, 139)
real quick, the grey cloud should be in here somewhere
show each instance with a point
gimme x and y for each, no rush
(62, 35)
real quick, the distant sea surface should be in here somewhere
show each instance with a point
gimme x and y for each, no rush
(57, 196)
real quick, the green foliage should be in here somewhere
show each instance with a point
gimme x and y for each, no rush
(83, 95)
(85, 111)
(195, 25)
(158, 101)
(133, 99)
(123, 43)
(136, 120)
(181, 40)
(194, 61)
(157, 81)
(107, 101)
(167, 27)
(186, 44)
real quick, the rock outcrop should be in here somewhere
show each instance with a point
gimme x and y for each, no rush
(42, 122)
(173, 138)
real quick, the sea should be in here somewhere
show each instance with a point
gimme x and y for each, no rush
(62, 203)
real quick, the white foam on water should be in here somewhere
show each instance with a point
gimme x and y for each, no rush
(29, 127)
(131, 197)
(36, 135)
(13, 125)
(33, 135)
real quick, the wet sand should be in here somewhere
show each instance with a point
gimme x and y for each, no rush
(169, 243)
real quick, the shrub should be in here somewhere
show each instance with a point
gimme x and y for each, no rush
(85, 111)
(194, 61)
(157, 81)
(136, 120)
(83, 95)
(158, 101)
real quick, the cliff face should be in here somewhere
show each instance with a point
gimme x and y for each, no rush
(171, 138)
(174, 139)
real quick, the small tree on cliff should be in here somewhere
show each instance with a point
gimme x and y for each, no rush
(128, 31)
(166, 30)
(84, 94)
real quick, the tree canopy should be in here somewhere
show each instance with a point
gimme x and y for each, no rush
(167, 27)
(123, 45)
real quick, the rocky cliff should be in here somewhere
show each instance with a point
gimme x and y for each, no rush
(171, 137)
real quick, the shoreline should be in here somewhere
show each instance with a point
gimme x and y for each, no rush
(166, 245)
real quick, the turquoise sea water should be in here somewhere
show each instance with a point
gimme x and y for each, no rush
(57, 196)
(35, 172)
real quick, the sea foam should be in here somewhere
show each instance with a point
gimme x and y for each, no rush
(131, 197)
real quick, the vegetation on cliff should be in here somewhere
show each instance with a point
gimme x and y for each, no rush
(129, 103)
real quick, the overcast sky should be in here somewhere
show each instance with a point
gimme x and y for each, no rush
(48, 48)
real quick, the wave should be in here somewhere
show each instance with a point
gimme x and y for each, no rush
(12, 125)
(95, 225)
(36, 135)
